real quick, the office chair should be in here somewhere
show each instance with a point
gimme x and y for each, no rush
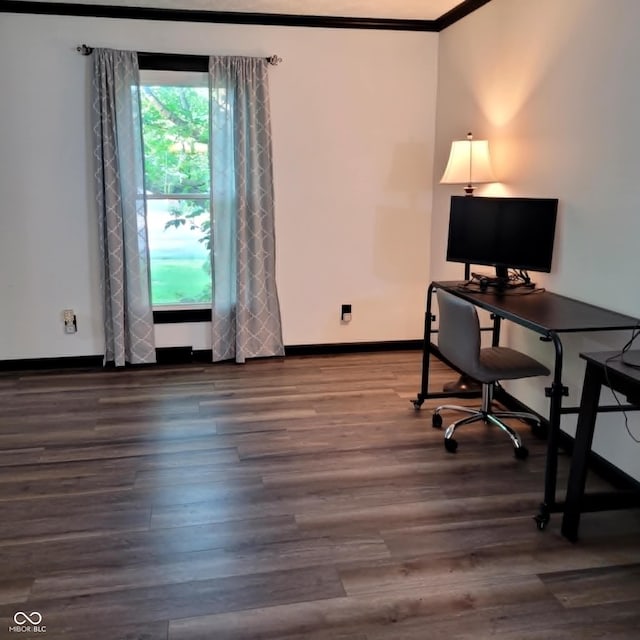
(459, 343)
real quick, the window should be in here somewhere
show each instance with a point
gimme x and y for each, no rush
(175, 129)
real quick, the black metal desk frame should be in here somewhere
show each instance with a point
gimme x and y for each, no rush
(603, 369)
(549, 315)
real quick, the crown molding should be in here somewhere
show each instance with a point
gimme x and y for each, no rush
(221, 17)
(238, 17)
(457, 13)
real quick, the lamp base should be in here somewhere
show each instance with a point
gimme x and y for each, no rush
(464, 384)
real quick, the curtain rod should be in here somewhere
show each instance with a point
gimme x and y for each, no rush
(85, 50)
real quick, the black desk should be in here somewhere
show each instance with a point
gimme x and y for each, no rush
(606, 369)
(549, 315)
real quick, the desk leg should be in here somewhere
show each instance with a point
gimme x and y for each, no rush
(553, 438)
(426, 351)
(582, 446)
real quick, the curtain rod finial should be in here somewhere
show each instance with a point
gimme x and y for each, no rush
(274, 60)
(84, 50)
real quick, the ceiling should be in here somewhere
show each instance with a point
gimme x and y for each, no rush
(380, 9)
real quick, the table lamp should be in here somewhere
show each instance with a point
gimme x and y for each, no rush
(469, 163)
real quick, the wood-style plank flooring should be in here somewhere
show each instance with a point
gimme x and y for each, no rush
(290, 499)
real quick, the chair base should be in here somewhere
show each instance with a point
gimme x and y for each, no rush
(485, 414)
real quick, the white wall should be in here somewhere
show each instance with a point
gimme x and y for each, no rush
(353, 114)
(553, 86)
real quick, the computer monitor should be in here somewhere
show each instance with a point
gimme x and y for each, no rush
(505, 233)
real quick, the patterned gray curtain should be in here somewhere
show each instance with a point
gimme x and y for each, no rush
(119, 184)
(245, 308)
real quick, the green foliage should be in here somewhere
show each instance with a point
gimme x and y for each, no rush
(176, 139)
(175, 123)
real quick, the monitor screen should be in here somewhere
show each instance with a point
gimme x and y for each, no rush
(506, 233)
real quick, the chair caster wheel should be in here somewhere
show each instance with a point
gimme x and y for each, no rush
(436, 421)
(521, 453)
(542, 520)
(450, 445)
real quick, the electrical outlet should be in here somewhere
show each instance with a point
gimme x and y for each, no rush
(70, 322)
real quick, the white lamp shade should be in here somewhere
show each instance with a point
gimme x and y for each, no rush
(469, 163)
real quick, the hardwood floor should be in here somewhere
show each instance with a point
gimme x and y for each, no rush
(301, 498)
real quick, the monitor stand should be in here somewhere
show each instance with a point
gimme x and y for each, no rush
(499, 282)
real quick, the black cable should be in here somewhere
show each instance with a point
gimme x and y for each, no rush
(634, 334)
(620, 355)
(516, 279)
(475, 287)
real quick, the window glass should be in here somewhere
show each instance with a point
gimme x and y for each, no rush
(175, 127)
(180, 257)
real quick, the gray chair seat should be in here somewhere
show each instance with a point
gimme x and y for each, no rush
(503, 363)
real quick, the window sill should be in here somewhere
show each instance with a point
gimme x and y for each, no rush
(175, 316)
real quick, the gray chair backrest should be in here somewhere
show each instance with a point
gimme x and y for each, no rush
(458, 332)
